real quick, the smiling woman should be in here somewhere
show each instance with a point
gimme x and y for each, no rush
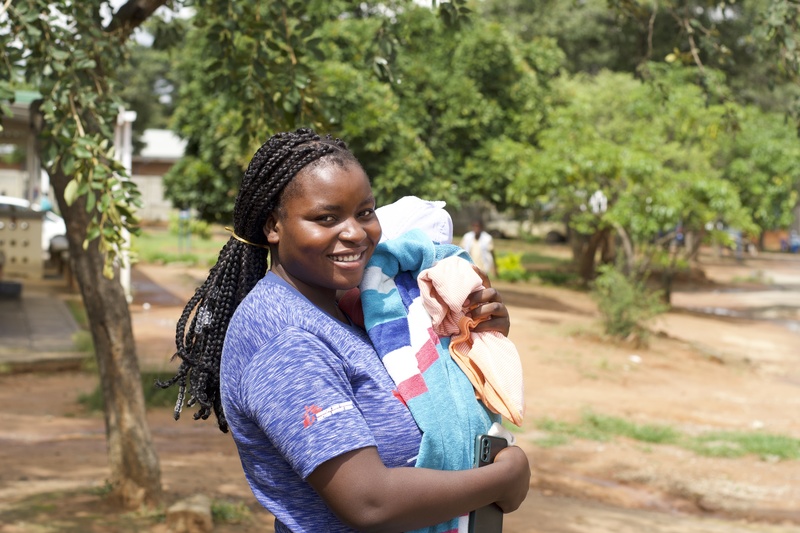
(324, 232)
(324, 438)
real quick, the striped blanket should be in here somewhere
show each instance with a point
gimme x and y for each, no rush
(438, 394)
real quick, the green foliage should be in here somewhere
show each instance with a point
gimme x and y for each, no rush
(603, 428)
(625, 305)
(193, 226)
(59, 48)
(225, 512)
(763, 163)
(412, 95)
(510, 267)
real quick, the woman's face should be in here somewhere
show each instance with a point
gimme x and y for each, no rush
(324, 231)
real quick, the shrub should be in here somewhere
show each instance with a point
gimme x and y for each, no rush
(198, 228)
(625, 304)
(510, 268)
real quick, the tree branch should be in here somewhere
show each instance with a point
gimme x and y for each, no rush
(132, 14)
(650, 29)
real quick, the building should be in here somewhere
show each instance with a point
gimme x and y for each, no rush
(162, 148)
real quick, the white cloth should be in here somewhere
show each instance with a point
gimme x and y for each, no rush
(410, 212)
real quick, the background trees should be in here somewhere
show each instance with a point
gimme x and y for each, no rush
(468, 111)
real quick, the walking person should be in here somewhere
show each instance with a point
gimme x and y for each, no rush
(480, 245)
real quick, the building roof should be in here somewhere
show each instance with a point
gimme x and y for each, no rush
(161, 145)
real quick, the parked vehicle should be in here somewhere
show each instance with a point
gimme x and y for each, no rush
(53, 226)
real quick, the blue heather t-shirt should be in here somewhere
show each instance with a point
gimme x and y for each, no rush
(299, 388)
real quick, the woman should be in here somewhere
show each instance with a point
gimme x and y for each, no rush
(324, 441)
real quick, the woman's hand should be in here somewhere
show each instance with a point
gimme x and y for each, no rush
(519, 479)
(487, 303)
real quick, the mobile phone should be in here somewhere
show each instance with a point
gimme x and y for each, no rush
(487, 519)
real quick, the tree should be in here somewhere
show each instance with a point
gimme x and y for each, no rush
(763, 162)
(66, 52)
(270, 56)
(147, 80)
(755, 42)
(416, 99)
(624, 158)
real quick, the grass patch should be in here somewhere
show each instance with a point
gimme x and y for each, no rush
(738, 444)
(613, 426)
(78, 312)
(82, 339)
(153, 396)
(593, 426)
(230, 513)
(164, 247)
(558, 277)
(552, 441)
(83, 342)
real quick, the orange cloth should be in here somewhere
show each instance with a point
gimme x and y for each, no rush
(489, 359)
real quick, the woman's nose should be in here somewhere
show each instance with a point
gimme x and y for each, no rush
(353, 231)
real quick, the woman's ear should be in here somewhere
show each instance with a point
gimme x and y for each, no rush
(271, 229)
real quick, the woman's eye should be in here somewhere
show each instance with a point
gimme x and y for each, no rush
(326, 218)
(366, 213)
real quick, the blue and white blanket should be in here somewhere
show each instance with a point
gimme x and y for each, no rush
(438, 393)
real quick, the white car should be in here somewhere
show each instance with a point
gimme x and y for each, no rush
(53, 226)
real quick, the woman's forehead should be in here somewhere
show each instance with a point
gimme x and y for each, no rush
(332, 183)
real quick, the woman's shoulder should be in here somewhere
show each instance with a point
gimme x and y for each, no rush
(273, 301)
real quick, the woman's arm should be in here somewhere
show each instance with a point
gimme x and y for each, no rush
(370, 497)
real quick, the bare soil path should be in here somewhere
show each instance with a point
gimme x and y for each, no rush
(699, 373)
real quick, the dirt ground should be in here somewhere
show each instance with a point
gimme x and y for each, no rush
(700, 372)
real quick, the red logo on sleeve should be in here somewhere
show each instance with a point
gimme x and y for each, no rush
(315, 414)
(310, 415)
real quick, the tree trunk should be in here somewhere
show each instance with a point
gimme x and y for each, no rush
(608, 249)
(135, 469)
(693, 242)
(584, 250)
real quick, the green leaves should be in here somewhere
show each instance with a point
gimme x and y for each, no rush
(59, 48)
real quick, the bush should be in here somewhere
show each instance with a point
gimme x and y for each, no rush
(510, 268)
(198, 228)
(625, 304)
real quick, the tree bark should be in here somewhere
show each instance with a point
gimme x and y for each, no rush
(135, 470)
(584, 250)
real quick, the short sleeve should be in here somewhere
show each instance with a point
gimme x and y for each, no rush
(296, 389)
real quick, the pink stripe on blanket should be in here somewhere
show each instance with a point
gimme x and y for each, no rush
(412, 387)
(426, 356)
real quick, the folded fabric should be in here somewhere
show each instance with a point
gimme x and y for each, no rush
(438, 394)
(488, 358)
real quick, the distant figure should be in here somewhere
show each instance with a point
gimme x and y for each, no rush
(480, 246)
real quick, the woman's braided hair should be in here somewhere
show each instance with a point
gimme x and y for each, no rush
(241, 264)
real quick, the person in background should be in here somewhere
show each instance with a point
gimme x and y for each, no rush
(325, 440)
(480, 246)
